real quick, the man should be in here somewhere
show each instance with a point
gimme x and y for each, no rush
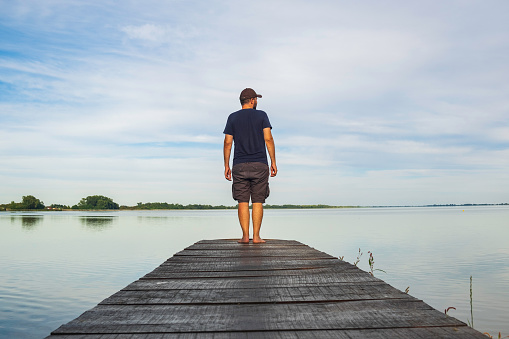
(250, 130)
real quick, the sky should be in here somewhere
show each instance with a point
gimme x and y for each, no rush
(371, 102)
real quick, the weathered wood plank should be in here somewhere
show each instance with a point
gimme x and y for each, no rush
(252, 282)
(345, 292)
(301, 316)
(254, 265)
(268, 241)
(203, 272)
(399, 333)
(222, 246)
(272, 261)
(236, 259)
(258, 252)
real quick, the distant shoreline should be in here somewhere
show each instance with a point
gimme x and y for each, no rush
(195, 207)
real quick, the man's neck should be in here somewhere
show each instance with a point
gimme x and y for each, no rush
(247, 106)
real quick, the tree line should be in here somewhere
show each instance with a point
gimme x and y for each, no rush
(99, 202)
(28, 202)
(92, 202)
(167, 206)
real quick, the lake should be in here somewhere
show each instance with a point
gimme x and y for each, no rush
(56, 265)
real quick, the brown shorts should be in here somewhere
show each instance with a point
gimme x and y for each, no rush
(250, 180)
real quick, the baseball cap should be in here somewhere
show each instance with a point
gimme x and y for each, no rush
(249, 93)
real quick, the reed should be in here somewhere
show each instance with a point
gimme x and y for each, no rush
(359, 255)
(499, 335)
(371, 262)
(448, 309)
(471, 321)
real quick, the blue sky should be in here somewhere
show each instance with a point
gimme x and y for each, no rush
(372, 103)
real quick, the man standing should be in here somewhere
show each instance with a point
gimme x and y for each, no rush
(250, 130)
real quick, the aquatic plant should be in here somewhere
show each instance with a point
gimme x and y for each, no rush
(448, 309)
(358, 258)
(499, 335)
(471, 324)
(371, 262)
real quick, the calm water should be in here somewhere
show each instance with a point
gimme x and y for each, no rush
(56, 265)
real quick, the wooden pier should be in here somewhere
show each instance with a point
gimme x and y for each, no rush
(280, 289)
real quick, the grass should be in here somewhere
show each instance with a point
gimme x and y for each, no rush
(371, 262)
(471, 321)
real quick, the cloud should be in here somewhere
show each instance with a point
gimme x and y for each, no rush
(148, 32)
(370, 103)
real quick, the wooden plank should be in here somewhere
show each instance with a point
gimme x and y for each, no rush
(259, 252)
(211, 272)
(273, 261)
(399, 333)
(200, 247)
(234, 242)
(254, 259)
(300, 316)
(258, 265)
(222, 246)
(261, 265)
(252, 282)
(344, 292)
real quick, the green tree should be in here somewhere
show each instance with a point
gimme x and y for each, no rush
(14, 205)
(30, 202)
(96, 202)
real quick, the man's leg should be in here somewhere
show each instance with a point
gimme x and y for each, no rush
(243, 211)
(240, 191)
(257, 222)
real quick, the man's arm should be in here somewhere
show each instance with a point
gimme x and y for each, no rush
(228, 142)
(269, 141)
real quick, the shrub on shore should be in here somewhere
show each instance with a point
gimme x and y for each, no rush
(96, 202)
(28, 202)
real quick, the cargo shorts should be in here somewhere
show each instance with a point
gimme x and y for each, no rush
(250, 180)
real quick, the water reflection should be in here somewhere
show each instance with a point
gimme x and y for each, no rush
(157, 220)
(28, 222)
(143, 219)
(97, 223)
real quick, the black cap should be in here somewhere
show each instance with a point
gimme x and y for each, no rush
(249, 93)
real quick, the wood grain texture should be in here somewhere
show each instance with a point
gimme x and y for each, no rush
(345, 292)
(281, 289)
(399, 333)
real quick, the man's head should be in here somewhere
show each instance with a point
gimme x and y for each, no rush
(248, 97)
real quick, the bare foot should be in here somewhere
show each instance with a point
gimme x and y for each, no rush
(258, 240)
(243, 241)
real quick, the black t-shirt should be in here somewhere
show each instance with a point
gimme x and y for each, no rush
(246, 126)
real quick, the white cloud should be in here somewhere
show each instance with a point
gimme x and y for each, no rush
(366, 99)
(148, 32)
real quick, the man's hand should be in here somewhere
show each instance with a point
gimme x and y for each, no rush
(273, 170)
(228, 173)
(228, 142)
(269, 142)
